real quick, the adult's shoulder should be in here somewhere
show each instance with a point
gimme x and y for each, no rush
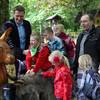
(80, 35)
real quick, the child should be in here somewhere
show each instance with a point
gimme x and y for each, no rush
(40, 58)
(33, 51)
(69, 44)
(61, 74)
(54, 43)
(85, 78)
(85, 62)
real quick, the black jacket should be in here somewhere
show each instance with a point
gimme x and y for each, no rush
(14, 40)
(91, 47)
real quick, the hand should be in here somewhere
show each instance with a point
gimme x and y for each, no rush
(28, 71)
(25, 52)
(31, 74)
(31, 70)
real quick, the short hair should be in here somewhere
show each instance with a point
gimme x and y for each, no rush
(91, 17)
(48, 30)
(19, 8)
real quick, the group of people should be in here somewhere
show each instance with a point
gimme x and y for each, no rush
(55, 55)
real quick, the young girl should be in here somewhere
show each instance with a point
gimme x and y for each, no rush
(40, 57)
(61, 74)
(33, 51)
(85, 78)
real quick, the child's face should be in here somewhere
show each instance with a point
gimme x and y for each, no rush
(48, 36)
(33, 42)
(57, 30)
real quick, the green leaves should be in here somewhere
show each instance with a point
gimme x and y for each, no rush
(37, 11)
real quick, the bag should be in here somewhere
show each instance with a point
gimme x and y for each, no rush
(92, 91)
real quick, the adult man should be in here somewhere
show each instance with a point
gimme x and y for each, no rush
(19, 39)
(88, 41)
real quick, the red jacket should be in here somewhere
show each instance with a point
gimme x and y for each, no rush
(69, 44)
(30, 59)
(62, 81)
(42, 60)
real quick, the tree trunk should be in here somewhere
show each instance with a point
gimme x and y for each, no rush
(4, 11)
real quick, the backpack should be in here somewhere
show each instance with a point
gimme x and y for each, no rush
(92, 91)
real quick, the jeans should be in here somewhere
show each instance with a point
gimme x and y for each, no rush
(9, 92)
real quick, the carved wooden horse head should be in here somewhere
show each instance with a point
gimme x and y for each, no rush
(5, 55)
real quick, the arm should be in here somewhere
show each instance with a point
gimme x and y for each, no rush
(28, 61)
(41, 60)
(48, 74)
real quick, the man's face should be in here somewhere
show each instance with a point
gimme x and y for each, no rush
(18, 16)
(85, 22)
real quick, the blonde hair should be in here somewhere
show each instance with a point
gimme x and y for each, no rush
(60, 27)
(61, 57)
(36, 36)
(85, 61)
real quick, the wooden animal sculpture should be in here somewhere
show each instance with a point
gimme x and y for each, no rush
(5, 56)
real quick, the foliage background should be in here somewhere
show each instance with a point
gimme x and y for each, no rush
(37, 11)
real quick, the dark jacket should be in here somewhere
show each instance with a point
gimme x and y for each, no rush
(91, 47)
(14, 40)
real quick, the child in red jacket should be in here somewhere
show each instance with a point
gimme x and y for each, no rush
(40, 57)
(33, 51)
(62, 76)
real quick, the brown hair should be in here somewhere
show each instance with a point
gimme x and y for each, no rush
(47, 30)
(19, 8)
